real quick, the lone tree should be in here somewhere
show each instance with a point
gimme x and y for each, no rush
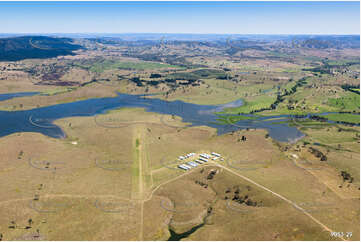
(30, 222)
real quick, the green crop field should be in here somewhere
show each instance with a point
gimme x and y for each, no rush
(344, 117)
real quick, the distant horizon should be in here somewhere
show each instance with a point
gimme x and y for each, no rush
(160, 33)
(228, 18)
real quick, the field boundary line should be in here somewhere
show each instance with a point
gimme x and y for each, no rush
(282, 197)
(65, 195)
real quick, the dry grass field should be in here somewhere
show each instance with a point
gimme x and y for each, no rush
(114, 176)
(104, 177)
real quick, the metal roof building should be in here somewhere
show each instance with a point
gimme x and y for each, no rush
(183, 167)
(215, 154)
(202, 159)
(192, 164)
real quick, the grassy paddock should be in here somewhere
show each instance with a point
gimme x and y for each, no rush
(108, 65)
(343, 117)
(252, 104)
(348, 102)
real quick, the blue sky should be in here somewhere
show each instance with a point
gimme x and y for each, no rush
(181, 17)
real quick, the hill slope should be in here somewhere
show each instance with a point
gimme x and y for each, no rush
(19, 48)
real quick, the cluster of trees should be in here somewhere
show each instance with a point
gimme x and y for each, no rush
(327, 68)
(202, 184)
(94, 80)
(317, 153)
(351, 88)
(211, 174)
(280, 97)
(318, 118)
(324, 119)
(137, 81)
(320, 69)
(346, 176)
(170, 82)
(155, 75)
(347, 123)
(240, 199)
(243, 138)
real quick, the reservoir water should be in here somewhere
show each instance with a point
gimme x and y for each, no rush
(41, 119)
(7, 96)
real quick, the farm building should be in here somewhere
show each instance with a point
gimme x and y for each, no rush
(192, 164)
(216, 154)
(205, 156)
(183, 167)
(202, 159)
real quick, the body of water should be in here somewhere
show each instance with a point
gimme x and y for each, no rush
(41, 119)
(7, 96)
